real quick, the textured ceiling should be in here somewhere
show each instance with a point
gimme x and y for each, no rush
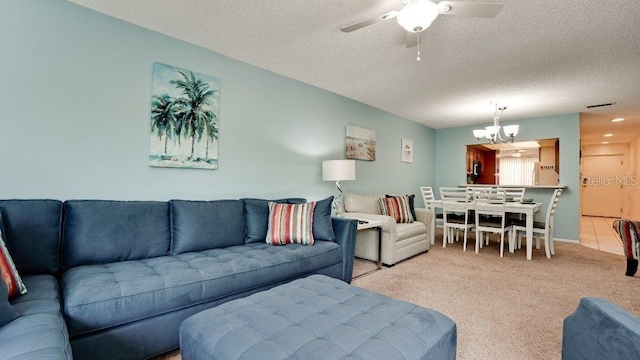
(539, 57)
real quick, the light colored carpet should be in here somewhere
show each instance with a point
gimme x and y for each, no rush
(505, 308)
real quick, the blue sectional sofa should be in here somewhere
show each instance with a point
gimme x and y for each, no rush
(115, 279)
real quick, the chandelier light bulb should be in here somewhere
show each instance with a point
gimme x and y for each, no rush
(479, 134)
(493, 130)
(511, 130)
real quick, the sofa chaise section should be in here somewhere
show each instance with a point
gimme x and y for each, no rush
(32, 233)
(40, 331)
(103, 296)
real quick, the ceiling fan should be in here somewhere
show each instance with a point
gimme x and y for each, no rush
(416, 15)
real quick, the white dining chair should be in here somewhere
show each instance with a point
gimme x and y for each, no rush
(490, 217)
(428, 197)
(455, 213)
(515, 194)
(544, 229)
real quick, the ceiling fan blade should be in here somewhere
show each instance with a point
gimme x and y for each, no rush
(412, 39)
(360, 25)
(471, 9)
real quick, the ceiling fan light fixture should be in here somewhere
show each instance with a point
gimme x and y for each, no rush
(417, 15)
(390, 15)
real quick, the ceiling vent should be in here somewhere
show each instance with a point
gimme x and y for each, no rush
(600, 105)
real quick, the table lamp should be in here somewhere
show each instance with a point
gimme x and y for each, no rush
(338, 170)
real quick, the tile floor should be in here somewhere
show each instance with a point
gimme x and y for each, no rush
(597, 233)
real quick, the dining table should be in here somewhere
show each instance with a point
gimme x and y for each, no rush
(529, 209)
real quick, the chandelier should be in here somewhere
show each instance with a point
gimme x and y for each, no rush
(492, 133)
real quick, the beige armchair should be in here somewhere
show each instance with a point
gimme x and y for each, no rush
(399, 241)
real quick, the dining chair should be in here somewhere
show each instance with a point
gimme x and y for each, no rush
(544, 229)
(490, 214)
(455, 213)
(428, 197)
(513, 194)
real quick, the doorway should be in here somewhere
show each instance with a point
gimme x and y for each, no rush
(602, 193)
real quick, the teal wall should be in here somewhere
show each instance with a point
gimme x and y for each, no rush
(75, 102)
(451, 161)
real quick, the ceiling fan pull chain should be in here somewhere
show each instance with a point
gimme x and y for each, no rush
(418, 58)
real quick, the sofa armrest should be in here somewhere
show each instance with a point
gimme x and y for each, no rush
(599, 329)
(425, 216)
(345, 230)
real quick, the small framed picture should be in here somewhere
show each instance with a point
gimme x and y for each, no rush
(407, 151)
(361, 143)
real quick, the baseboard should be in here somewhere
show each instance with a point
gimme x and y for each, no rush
(567, 241)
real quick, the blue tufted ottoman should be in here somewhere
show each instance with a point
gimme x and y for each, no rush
(318, 318)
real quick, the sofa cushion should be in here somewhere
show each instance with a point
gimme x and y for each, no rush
(322, 223)
(33, 234)
(257, 217)
(10, 277)
(406, 231)
(101, 231)
(7, 314)
(102, 296)
(290, 223)
(203, 225)
(39, 332)
(368, 204)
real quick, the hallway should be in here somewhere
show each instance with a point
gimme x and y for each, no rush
(597, 233)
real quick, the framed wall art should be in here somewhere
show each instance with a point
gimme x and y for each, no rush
(361, 143)
(407, 151)
(184, 118)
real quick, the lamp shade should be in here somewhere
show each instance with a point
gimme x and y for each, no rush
(336, 170)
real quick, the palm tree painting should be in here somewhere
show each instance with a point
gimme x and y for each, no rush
(184, 118)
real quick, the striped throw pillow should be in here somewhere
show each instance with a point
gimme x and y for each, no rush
(290, 223)
(15, 286)
(398, 208)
